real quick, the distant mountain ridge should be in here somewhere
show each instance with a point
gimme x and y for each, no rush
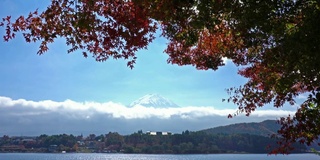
(264, 128)
(154, 100)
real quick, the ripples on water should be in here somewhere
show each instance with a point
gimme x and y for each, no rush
(93, 156)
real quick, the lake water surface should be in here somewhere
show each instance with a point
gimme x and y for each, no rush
(98, 156)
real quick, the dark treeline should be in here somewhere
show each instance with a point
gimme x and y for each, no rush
(199, 142)
(185, 143)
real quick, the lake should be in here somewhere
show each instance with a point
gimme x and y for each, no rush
(100, 156)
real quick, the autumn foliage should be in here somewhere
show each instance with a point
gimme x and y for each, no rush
(276, 45)
(109, 28)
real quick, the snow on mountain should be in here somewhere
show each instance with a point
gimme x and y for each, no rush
(153, 100)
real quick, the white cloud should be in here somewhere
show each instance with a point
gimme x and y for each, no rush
(50, 117)
(226, 60)
(273, 113)
(117, 110)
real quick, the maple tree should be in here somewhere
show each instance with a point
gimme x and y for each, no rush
(275, 43)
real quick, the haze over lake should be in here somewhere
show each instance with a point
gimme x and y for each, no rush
(30, 156)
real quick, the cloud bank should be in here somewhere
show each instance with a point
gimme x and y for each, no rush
(50, 117)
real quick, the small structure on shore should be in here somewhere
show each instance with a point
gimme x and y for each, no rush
(153, 133)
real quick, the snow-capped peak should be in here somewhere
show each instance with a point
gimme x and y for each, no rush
(153, 100)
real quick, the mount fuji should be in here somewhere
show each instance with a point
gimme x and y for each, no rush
(154, 100)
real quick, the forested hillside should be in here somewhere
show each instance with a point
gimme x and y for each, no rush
(200, 142)
(265, 128)
(187, 142)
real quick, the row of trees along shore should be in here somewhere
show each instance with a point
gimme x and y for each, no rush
(139, 142)
(275, 44)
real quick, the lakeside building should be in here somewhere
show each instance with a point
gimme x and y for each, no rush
(154, 133)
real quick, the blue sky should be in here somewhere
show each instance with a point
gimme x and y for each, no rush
(58, 76)
(59, 92)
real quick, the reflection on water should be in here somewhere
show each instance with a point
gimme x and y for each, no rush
(97, 156)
